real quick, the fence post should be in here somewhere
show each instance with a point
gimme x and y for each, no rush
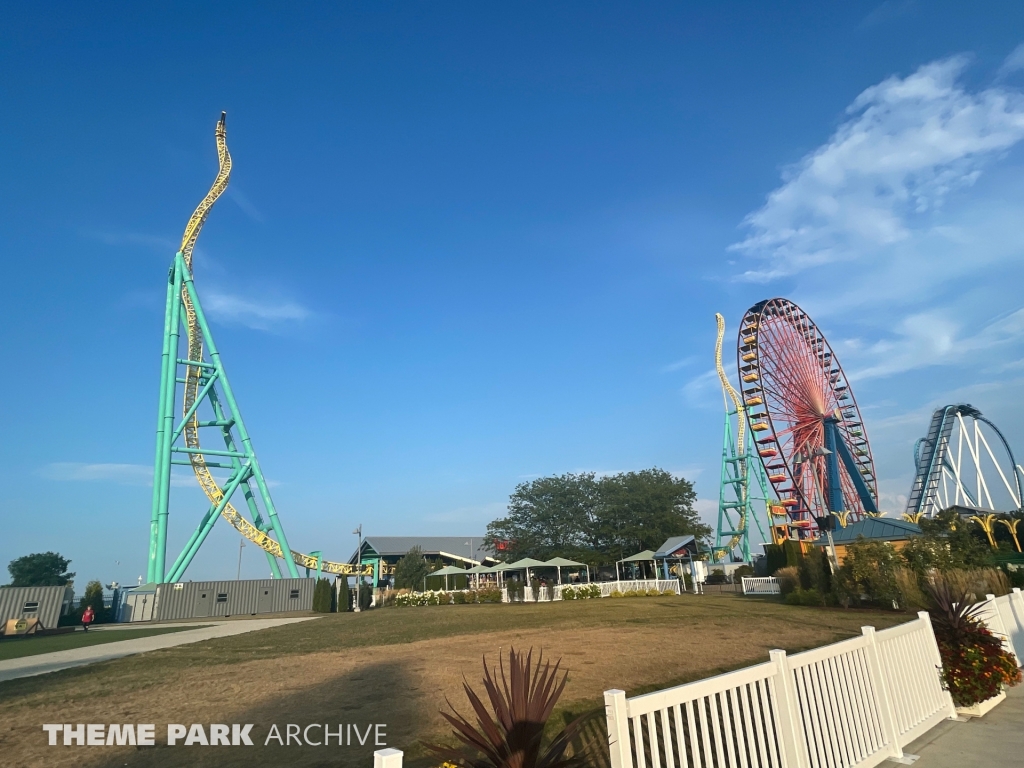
(792, 743)
(618, 729)
(387, 758)
(926, 619)
(998, 627)
(886, 716)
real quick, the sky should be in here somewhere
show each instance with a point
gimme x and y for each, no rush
(466, 245)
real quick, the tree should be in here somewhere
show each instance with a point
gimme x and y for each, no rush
(94, 597)
(595, 520)
(322, 596)
(344, 600)
(411, 570)
(43, 569)
(639, 510)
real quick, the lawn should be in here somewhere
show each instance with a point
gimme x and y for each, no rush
(396, 666)
(14, 648)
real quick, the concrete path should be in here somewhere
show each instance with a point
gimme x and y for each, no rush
(40, 664)
(994, 740)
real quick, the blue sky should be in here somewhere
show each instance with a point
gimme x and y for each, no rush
(470, 244)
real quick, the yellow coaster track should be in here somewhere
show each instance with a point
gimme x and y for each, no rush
(193, 380)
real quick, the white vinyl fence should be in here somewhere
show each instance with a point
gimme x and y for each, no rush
(760, 585)
(607, 587)
(1005, 617)
(847, 705)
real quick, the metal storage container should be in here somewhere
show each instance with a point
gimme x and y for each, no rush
(213, 599)
(43, 603)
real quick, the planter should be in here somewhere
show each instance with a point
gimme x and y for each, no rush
(982, 707)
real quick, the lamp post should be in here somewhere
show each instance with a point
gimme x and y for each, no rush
(238, 574)
(359, 565)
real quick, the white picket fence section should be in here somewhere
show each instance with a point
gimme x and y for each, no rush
(760, 585)
(1005, 617)
(847, 705)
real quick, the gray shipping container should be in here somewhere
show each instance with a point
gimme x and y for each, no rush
(209, 599)
(43, 603)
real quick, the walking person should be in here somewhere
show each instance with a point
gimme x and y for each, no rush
(88, 615)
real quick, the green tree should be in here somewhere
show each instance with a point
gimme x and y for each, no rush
(43, 569)
(94, 597)
(639, 510)
(411, 570)
(549, 516)
(595, 520)
(344, 599)
(322, 596)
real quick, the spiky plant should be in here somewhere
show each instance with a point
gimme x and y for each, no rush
(975, 666)
(513, 736)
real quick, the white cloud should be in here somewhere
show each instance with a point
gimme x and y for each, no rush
(907, 145)
(120, 474)
(1014, 62)
(259, 314)
(934, 338)
(245, 204)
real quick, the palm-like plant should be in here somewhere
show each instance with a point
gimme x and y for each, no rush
(975, 667)
(513, 737)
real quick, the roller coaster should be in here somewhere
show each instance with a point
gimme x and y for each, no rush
(956, 465)
(208, 403)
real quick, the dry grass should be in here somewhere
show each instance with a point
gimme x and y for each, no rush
(396, 666)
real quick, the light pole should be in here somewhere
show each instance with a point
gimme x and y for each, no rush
(359, 565)
(241, 543)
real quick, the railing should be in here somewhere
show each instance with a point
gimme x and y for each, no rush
(760, 585)
(851, 705)
(554, 592)
(1005, 617)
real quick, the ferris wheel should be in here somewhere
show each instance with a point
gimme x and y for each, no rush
(964, 460)
(806, 424)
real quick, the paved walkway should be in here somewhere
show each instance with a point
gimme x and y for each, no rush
(993, 741)
(40, 664)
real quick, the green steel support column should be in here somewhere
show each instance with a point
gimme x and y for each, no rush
(164, 478)
(210, 513)
(254, 511)
(261, 483)
(158, 460)
(205, 527)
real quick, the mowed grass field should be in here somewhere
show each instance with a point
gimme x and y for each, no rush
(17, 647)
(397, 666)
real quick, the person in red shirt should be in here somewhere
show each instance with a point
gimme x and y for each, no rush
(87, 617)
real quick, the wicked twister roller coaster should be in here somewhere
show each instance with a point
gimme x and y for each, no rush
(208, 406)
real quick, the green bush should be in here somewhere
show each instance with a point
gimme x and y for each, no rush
(789, 579)
(743, 570)
(568, 593)
(489, 595)
(344, 595)
(653, 592)
(322, 596)
(617, 593)
(459, 598)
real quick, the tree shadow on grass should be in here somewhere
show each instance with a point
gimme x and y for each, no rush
(380, 693)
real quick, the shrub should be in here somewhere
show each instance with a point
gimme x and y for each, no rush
(975, 667)
(669, 592)
(459, 598)
(344, 596)
(470, 595)
(617, 593)
(568, 593)
(743, 570)
(489, 595)
(588, 592)
(322, 596)
(432, 598)
(522, 702)
(788, 578)
(653, 592)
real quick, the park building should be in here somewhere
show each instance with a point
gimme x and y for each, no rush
(896, 533)
(384, 552)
